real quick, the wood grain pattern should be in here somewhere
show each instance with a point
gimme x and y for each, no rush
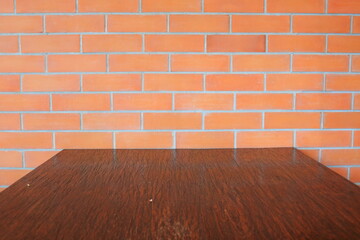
(181, 194)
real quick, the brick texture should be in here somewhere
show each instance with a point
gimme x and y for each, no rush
(179, 74)
(6, 6)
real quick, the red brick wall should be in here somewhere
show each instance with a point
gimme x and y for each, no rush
(179, 74)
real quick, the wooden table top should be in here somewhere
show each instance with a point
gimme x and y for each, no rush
(181, 194)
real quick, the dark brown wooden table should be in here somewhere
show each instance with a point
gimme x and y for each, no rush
(181, 194)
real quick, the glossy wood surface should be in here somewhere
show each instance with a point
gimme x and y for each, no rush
(181, 194)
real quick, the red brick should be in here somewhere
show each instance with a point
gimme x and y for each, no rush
(356, 24)
(323, 101)
(9, 44)
(264, 101)
(355, 63)
(50, 43)
(10, 159)
(356, 138)
(6, 6)
(264, 139)
(296, 43)
(111, 121)
(172, 120)
(85, 140)
(204, 101)
(260, 23)
(323, 139)
(342, 120)
(81, 102)
(348, 44)
(173, 82)
(143, 101)
(9, 83)
(112, 43)
(171, 6)
(137, 23)
(344, 6)
(22, 140)
(144, 140)
(45, 6)
(200, 63)
(294, 82)
(234, 6)
(320, 63)
(287, 120)
(234, 82)
(233, 43)
(340, 156)
(199, 23)
(205, 140)
(346, 82)
(357, 101)
(24, 102)
(9, 121)
(111, 82)
(51, 83)
(261, 63)
(174, 43)
(77, 63)
(21, 24)
(51, 121)
(139, 62)
(108, 6)
(321, 24)
(21, 64)
(233, 120)
(75, 23)
(303, 6)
